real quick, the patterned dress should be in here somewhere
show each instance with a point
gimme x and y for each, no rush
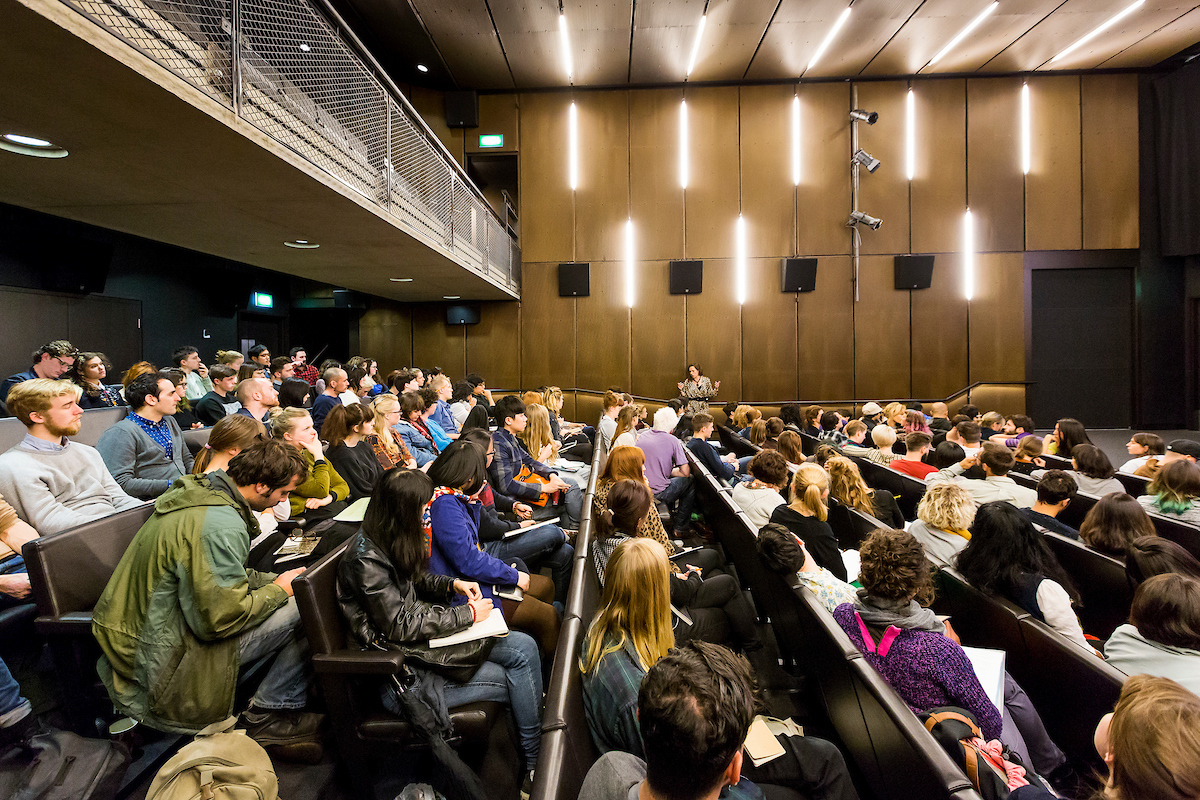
(697, 394)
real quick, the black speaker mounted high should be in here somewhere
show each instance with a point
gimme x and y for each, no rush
(462, 109)
(799, 274)
(687, 277)
(913, 272)
(574, 279)
(78, 266)
(462, 315)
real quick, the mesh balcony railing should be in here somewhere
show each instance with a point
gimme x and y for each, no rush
(304, 80)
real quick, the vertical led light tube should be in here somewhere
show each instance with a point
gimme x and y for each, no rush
(968, 255)
(573, 147)
(683, 144)
(796, 140)
(565, 44)
(1026, 135)
(740, 277)
(910, 144)
(629, 289)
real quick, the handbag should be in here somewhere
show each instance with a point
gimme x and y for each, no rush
(526, 475)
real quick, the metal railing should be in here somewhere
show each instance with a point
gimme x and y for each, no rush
(294, 70)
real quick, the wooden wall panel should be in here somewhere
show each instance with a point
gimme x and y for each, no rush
(714, 331)
(385, 334)
(497, 114)
(939, 332)
(434, 343)
(657, 199)
(825, 333)
(884, 193)
(431, 105)
(881, 333)
(995, 184)
(494, 345)
(602, 200)
(547, 211)
(768, 196)
(659, 347)
(768, 336)
(939, 186)
(1109, 109)
(711, 197)
(997, 318)
(823, 197)
(602, 329)
(547, 329)
(1053, 199)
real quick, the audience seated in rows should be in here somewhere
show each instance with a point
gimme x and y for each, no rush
(301, 368)
(1066, 435)
(806, 517)
(1114, 523)
(145, 451)
(1056, 489)
(943, 522)
(1092, 471)
(1016, 428)
(336, 382)
(425, 423)
(462, 400)
(230, 436)
(1163, 634)
(385, 441)
(413, 431)
(939, 421)
(187, 359)
(185, 573)
(323, 493)
(626, 431)
(51, 361)
(831, 429)
(88, 373)
(390, 595)
(629, 463)
(1007, 556)
(721, 467)
(1027, 456)
(14, 578)
(884, 439)
(257, 397)
(222, 400)
(996, 461)
(282, 368)
(668, 471)
(184, 417)
(846, 485)
(760, 496)
(916, 446)
(1148, 556)
(919, 654)
(259, 357)
(782, 552)
(1175, 492)
(51, 482)
(517, 474)
(295, 393)
(353, 458)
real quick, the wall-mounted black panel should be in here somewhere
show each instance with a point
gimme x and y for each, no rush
(799, 274)
(687, 277)
(575, 279)
(914, 272)
(462, 109)
(462, 315)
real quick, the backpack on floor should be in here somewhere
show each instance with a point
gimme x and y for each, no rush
(219, 764)
(59, 765)
(992, 772)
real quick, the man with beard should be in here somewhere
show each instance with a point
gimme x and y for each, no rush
(52, 482)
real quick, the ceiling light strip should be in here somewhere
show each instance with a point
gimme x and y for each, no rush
(1112, 21)
(565, 42)
(696, 46)
(964, 33)
(829, 37)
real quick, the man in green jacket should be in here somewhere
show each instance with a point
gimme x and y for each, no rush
(183, 614)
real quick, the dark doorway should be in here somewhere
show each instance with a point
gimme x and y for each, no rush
(1082, 346)
(254, 329)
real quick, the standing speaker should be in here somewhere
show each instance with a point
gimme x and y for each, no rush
(914, 272)
(687, 277)
(462, 109)
(799, 274)
(575, 279)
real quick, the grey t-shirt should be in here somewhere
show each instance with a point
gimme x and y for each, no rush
(614, 776)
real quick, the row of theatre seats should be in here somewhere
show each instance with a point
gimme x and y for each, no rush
(93, 423)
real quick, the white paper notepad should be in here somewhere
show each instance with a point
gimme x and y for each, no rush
(494, 625)
(989, 668)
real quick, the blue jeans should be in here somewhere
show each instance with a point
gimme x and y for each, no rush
(571, 503)
(13, 566)
(545, 545)
(286, 684)
(681, 492)
(13, 707)
(513, 675)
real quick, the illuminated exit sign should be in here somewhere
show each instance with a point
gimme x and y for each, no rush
(491, 140)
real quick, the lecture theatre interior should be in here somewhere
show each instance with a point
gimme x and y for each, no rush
(658, 399)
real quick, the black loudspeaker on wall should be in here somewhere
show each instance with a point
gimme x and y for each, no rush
(914, 272)
(575, 279)
(799, 274)
(79, 266)
(462, 109)
(687, 277)
(462, 315)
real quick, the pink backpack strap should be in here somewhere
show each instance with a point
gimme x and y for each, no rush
(885, 643)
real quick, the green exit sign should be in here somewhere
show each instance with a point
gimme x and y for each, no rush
(263, 300)
(491, 140)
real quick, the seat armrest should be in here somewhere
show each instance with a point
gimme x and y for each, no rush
(73, 623)
(359, 662)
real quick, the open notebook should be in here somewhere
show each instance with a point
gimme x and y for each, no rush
(494, 625)
(989, 668)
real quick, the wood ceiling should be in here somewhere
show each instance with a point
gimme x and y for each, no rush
(514, 44)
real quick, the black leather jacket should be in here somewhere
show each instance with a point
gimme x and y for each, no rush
(380, 606)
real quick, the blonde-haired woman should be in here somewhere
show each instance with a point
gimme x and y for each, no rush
(944, 514)
(575, 436)
(846, 485)
(537, 438)
(629, 634)
(884, 437)
(385, 442)
(805, 517)
(230, 436)
(627, 419)
(231, 358)
(324, 494)
(895, 415)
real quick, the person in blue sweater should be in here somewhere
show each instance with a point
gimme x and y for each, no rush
(722, 467)
(459, 474)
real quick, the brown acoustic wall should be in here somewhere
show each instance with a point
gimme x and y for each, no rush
(1081, 192)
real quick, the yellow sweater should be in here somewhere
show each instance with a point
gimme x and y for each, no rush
(323, 480)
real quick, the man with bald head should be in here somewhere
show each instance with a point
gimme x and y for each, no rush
(258, 397)
(941, 419)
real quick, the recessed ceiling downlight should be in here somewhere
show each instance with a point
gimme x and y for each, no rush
(422, 68)
(302, 244)
(401, 280)
(30, 146)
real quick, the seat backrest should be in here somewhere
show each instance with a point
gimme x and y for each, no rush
(911, 762)
(980, 619)
(315, 591)
(1101, 581)
(851, 526)
(808, 444)
(1135, 485)
(1070, 686)
(1021, 479)
(907, 490)
(12, 431)
(1185, 535)
(196, 439)
(70, 570)
(1056, 462)
(96, 421)
(737, 444)
(1075, 512)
